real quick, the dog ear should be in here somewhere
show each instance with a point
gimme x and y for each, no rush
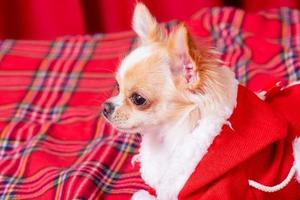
(145, 25)
(189, 62)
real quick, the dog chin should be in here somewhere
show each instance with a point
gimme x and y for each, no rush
(123, 129)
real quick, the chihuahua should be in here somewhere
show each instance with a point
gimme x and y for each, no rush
(177, 96)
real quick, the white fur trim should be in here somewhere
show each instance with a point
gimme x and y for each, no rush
(142, 195)
(296, 150)
(228, 123)
(167, 167)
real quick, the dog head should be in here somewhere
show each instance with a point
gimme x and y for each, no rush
(165, 78)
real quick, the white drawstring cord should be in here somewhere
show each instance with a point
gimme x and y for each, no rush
(274, 188)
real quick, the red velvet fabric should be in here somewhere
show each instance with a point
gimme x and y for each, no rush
(259, 147)
(47, 19)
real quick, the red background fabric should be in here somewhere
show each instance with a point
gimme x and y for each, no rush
(48, 19)
(54, 144)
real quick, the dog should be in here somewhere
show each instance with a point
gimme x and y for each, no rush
(180, 98)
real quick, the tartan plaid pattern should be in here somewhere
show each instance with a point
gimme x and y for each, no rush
(54, 144)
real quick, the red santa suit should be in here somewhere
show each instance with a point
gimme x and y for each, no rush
(257, 148)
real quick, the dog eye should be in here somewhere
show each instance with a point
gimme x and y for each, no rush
(138, 99)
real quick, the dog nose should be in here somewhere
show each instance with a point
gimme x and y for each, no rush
(108, 109)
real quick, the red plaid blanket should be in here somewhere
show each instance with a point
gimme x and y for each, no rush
(54, 144)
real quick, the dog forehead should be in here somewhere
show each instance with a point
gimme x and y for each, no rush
(135, 57)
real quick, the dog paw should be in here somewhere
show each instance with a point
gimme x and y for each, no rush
(142, 195)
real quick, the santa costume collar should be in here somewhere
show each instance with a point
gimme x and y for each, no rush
(255, 126)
